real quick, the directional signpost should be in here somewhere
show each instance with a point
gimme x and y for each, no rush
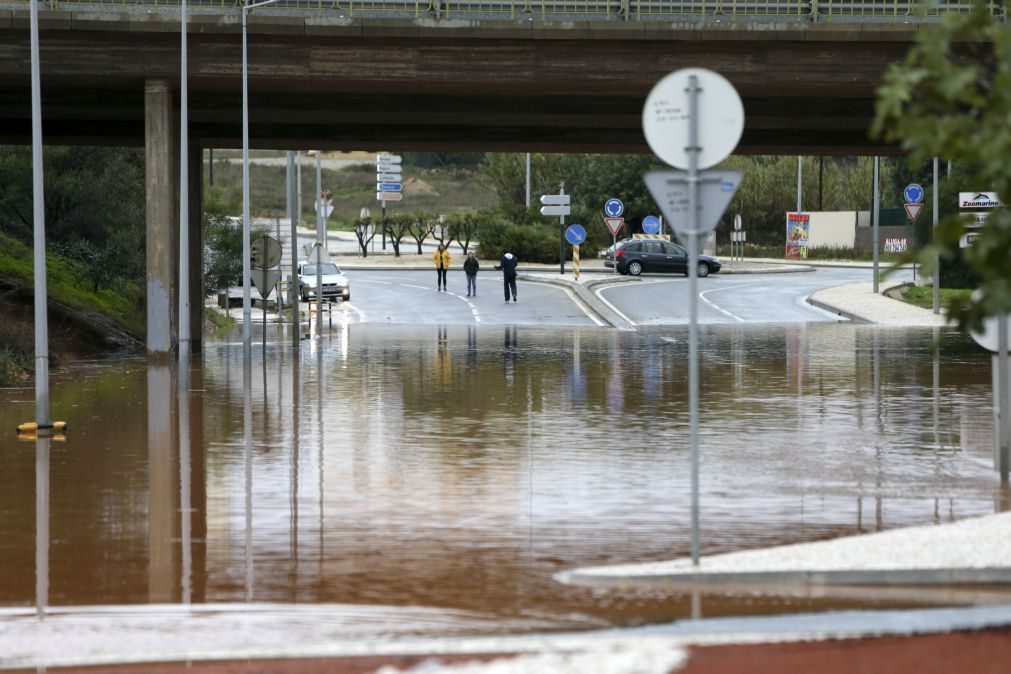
(558, 204)
(389, 183)
(692, 119)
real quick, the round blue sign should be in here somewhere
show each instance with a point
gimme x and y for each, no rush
(913, 193)
(613, 208)
(575, 234)
(651, 224)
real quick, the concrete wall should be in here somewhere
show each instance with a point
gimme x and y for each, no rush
(865, 237)
(832, 229)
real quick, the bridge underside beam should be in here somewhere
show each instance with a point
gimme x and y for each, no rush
(808, 90)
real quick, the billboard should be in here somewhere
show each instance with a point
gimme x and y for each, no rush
(798, 228)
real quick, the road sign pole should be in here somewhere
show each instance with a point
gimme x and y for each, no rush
(561, 238)
(1004, 429)
(575, 262)
(320, 239)
(937, 258)
(877, 212)
(693, 317)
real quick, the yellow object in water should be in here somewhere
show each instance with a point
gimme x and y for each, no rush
(58, 426)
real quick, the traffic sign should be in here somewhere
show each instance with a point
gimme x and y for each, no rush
(264, 280)
(614, 224)
(265, 252)
(613, 208)
(327, 209)
(913, 210)
(389, 187)
(389, 158)
(389, 196)
(737, 222)
(388, 177)
(968, 239)
(555, 200)
(978, 200)
(575, 234)
(651, 224)
(670, 191)
(913, 194)
(555, 210)
(665, 118)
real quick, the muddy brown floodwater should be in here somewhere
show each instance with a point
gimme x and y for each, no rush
(433, 479)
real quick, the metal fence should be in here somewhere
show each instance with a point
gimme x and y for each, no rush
(630, 10)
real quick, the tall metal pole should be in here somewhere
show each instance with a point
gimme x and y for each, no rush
(320, 241)
(875, 214)
(800, 183)
(1004, 431)
(693, 150)
(528, 180)
(293, 281)
(561, 238)
(937, 259)
(184, 195)
(247, 301)
(39, 222)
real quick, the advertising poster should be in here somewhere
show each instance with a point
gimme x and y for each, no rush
(797, 229)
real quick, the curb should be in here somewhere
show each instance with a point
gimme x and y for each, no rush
(838, 312)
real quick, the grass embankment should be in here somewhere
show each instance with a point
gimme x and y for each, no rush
(923, 296)
(65, 285)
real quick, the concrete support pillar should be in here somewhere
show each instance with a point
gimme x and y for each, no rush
(162, 225)
(196, 248)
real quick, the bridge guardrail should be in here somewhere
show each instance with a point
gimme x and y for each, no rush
(629, 10)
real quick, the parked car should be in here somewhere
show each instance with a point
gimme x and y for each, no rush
(335, 283)
(636, 256)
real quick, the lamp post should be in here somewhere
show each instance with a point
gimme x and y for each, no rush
(247, 302)
(39, 227)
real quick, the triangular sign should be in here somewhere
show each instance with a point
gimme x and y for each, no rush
(670, 191)
(264, 280)
(912, 211)
(318, 254)
(614, 224)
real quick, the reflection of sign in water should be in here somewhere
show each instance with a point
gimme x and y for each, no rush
(895, 245)
(797, 228)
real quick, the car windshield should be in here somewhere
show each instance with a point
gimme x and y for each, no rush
(326, 268)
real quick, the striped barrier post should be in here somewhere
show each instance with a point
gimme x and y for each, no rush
(575, 261)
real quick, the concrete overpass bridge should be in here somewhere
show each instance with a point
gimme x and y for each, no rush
(493, 75)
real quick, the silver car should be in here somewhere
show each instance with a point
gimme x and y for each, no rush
(335, 283)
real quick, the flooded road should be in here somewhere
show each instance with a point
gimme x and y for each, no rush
(438, 477)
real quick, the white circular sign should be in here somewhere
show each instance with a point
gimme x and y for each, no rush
(665, 118)
(737, 222)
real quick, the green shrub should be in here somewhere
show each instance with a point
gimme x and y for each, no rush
(530, 243)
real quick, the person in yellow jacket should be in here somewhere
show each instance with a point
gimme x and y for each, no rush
(442, 259)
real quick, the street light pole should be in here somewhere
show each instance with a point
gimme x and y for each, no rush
(184, 197)
(247, 302)
(39, 225)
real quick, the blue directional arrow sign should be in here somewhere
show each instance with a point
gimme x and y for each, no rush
(651, 224)
(613, 208)
(913, 193)
(388, 187)
(575, 234)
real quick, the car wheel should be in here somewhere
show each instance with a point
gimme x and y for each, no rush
(346, 297)
(635, 267)
(703, 270)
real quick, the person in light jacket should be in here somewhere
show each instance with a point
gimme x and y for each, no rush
(442, 258)
(470, 267)
(508, 266)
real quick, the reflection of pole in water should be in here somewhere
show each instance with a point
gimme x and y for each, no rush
(41, 526)
(937, 388)
(185, 500)
(510, 347)
(161, 496)
(247, 444)
(696, 605)
(319, 412)
(293, 477)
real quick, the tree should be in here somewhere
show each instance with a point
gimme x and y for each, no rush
(422, 227)
(462, 229)
(397, 227)
(365, 231)
(951, 98)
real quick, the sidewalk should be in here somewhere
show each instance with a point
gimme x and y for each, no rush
(858, 302)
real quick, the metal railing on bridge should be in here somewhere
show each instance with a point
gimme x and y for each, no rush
(630, 10)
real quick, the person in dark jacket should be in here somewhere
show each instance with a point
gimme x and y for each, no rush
(508, 267)
(470, 267)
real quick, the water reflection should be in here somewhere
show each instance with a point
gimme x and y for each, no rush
(458, 468)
